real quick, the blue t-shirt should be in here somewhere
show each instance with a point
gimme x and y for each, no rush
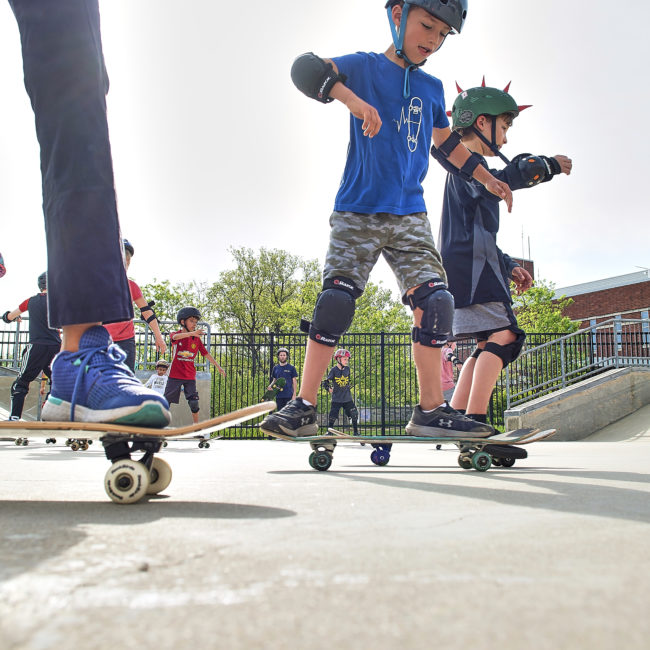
(288, 372)
(385, 173)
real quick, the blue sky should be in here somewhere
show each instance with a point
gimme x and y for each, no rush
(213, 146)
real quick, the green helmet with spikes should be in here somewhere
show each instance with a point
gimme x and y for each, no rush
(482, 100)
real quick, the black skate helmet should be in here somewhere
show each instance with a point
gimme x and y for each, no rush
(128, 246)
(42, 281)
(187, 312)
(451, 12)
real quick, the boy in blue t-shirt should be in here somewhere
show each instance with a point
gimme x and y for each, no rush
(283, 369)
(396, 109)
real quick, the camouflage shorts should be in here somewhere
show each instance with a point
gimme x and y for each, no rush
(406, 242)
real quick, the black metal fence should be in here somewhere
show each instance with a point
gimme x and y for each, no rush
(383, 375)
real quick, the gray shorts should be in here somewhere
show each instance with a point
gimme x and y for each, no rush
(485, 317)
(406, 243)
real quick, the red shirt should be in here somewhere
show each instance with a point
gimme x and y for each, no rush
(125, 329)
(184, 352)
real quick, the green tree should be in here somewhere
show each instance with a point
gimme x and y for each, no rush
(538, 311)
(169, 298)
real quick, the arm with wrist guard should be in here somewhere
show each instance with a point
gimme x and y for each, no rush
(315, 77)
(442, 153)
(148, 307)
(528, 170)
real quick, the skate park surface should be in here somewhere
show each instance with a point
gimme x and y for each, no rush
(249, 547)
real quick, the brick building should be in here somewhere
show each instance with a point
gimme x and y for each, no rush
(628, 295)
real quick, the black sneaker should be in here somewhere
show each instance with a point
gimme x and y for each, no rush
(445, 422)
(296, 419)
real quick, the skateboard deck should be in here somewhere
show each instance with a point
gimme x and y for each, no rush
(127, 481)
(277, 387)
(476, 453)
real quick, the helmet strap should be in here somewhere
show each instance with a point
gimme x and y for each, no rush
(492, 145)
(398, 42)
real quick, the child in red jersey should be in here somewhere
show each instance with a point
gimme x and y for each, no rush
(186, 344)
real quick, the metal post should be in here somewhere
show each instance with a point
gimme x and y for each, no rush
(383, 385)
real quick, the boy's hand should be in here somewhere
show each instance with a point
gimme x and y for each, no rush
(566, 164)
(522, 279)
(365, 112)
(500, 189)
(161, 346)
(222, 372)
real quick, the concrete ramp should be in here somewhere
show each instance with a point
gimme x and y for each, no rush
(634, 427)
(581, 410)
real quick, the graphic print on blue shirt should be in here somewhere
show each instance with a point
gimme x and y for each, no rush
(385, 173)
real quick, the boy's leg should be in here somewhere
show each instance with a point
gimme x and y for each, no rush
(418, 268)
(333, 416)
(352, 412)
(353, 250)
(192, 396)
(486, 372)
(465, 379)
(66, 81)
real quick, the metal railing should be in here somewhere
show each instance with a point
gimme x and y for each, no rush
(563, 361)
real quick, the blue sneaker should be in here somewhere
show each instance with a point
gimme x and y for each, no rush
(94, 385)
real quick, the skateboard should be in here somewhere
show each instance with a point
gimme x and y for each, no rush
(127, 480)
(272, 392)
(475, 453)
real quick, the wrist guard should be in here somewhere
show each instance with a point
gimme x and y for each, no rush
(315, 78)
(5, 317)
(149, 307)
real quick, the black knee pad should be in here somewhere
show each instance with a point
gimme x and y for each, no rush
(437, 306)
(353, 414)
(334, 311)
(194, 405)
(476, 353)
(507, 353)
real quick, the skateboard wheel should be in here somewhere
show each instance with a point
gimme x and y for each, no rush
(201, 445)
(496, 462)
(465, 461)
(506, 462)
(126, 481)
(165, 443)
(380, 457)
(25, 442)
(84, 445)
(481, 461)
(206, 445)
(160, 476)
(74, 446)
(18, 442)
(320, 460)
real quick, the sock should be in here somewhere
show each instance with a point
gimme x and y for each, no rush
(432, 410)
(304, 401)
(478, 417)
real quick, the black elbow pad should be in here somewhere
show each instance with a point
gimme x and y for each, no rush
(315, 78)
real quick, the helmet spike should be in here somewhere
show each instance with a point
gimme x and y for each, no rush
(483, 82)
(507, 88)
(459, 89)
(524, 107)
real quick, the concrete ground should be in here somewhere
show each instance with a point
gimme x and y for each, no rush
(249, 547)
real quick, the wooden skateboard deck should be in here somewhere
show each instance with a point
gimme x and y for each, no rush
(472, 450)
(127, 481)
